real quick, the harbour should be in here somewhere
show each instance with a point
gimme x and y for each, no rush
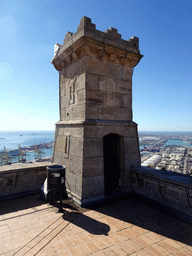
(30, 147)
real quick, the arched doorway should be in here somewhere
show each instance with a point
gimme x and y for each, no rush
(112, 149)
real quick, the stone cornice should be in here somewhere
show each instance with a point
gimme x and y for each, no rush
(97, 122)
(107, 46)
(22, 166)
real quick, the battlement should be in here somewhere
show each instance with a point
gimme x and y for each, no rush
(88, 28)
(107, 41)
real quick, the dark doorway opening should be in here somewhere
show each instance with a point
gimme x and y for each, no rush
(112, 162)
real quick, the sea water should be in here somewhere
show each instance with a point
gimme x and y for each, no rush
(11, 140)
(177, 143)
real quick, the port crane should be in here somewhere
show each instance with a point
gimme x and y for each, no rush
(38, 153)
(21, 155)
(1, 159)
(6, 157)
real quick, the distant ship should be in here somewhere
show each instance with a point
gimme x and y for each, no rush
(34, 134)
(2, 138)
(21, 135)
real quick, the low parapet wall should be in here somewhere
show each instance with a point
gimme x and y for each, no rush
(18, 180)
(168, 191)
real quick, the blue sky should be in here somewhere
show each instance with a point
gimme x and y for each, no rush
(29, 84)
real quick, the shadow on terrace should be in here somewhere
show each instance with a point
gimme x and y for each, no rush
(29, 226)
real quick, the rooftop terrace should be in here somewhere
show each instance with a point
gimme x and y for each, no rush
(29, 226)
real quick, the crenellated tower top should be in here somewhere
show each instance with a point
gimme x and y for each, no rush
(108, 46)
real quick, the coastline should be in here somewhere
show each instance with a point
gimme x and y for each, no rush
(29, 154)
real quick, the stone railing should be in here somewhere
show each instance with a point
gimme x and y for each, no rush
(18, 180)
(168, 191)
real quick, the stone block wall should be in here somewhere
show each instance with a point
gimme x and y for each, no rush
(95, 81)
(170, 191)
(22, 179)
(80, 148)
(68, 150)
(93, 95)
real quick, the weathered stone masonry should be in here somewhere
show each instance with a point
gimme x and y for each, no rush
(22, 179)
(95, 79)
(167, 190)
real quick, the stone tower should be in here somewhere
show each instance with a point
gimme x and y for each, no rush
(96, 138)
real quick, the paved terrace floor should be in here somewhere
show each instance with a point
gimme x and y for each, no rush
(29, 226)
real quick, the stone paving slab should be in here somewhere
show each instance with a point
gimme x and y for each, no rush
(29, 226)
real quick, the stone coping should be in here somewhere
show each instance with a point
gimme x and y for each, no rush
(97, 122)
(165, 176)
(23, 166)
